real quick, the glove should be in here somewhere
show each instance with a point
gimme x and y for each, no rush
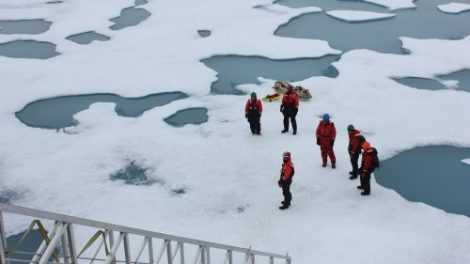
(279, 183)
(246, 115)
(332, 143)
(282, 108)
(296, 110)
(318, 141)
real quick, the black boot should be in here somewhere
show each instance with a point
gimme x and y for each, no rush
(365, 193)
(352, 177)
(284, 207)
(324, 164)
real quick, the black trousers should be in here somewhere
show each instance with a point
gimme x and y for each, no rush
(286, 192)
(254, 120)
(365, 182)
(290, 112)
(354, 160)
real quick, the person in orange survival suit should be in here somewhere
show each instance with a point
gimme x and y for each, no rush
(289, 108)
(354, 149)
(253, 110)
(326, 135)
(287, 173)
(370, 162)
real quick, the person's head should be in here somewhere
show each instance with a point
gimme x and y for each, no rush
(350, 128)
(253, 96)
(326, 118)
(290, 88)
(366, 145)
(286, 156)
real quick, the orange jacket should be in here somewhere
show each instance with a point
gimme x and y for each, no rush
(253, 105)
(291, 98)
(287, 170)
(326, 133)
(354, 142)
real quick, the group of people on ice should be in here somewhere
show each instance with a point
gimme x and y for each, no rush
(325, 135)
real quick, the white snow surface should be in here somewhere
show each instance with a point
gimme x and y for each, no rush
(222, 166)
(454, 8)
(355, 16)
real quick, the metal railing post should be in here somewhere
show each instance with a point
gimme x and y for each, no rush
(111, 243)
(64, 247)
(181, 252)
(203, 255)
(229, 257)
(208, 255)
(150, 249)
(169, 252)
(71, 243)
(3, 240)
(271, 260)
(52, 245)
(127, 252)
(44, 244)
(112, 253)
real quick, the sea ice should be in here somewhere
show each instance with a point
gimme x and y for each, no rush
(358, 16)
(454, 8)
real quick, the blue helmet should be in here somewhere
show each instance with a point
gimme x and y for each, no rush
(326, 118)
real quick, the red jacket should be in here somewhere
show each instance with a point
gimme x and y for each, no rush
(287, 170)
(354, 142)
(368, 156)
(326, 133)
(253, 105)
(291, 98)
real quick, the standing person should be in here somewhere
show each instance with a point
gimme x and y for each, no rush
(289, 108)
(287, 172)
(326, 135)
(253, 110)
(370, 162)
(354, 149)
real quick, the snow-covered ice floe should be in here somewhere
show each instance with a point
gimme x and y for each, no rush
(394, 4)
(358, 16)
(454, 8)
(466, 161)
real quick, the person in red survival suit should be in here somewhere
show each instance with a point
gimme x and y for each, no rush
(326, 135)
(369, 163)
(253, 110)
(287, 172)
(289, 108)
(354, 149)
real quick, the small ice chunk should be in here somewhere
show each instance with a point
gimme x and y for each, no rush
(466, 161)
(454, 8)
(358, 16)
(451, 84)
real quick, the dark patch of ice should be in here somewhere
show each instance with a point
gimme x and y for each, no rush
(28, 49)
(6, 195)
(433, 175)
(420, 83)
(87, 37)
(462, 76)
(234, 70)
(57, 112)
(29, 26)
(204, 33)
(140, 2)
(133, 174)
(196, 116)
(129, 17)
(423, 22)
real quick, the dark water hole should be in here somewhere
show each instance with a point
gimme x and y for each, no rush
(196, 116)
(133, 174)
(462, 76)
(28, 49)
(129, 17)
(434, 175)
(57, 112)
(87, 37)
(30, 26)
(204, 33)
(234, 70)
(425, 21)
